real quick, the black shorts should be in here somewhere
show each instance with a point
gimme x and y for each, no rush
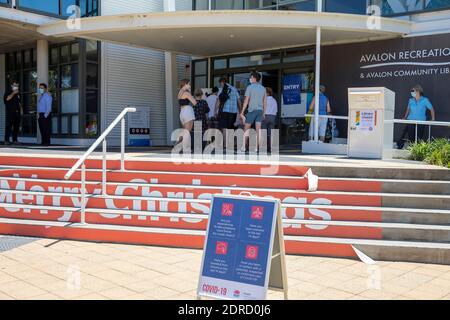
(227, 120)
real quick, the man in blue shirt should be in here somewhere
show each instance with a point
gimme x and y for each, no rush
(417, 110)
(44, 111)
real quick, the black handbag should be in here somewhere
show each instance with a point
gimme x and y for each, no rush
(329, 132)
(223, 98)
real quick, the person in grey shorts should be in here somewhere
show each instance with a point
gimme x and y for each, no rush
(256, 102)
(270, 119)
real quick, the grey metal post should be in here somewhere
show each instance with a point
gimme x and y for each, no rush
(83, 194)
(104, 168)
(416, 132)
(122, 146)
(317, 76)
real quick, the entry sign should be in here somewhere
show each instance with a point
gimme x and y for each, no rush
(244, 249)
(292, 88)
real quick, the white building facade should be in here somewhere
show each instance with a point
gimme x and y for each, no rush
(93, 85)
(135, 52)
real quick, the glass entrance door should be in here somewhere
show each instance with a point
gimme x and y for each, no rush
(297, 93)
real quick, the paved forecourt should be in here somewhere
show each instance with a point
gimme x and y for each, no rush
(51, 269)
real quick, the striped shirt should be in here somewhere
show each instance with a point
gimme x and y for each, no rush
(231, 105)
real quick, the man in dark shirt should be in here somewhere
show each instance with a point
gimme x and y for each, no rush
(13, 112)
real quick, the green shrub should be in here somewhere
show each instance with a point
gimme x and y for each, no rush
(419, 151)
(436, 152)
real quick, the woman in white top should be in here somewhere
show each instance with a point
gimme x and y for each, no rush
(270, 119)
(185, 99)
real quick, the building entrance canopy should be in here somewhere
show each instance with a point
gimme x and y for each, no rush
(213, 33)
(19, 29)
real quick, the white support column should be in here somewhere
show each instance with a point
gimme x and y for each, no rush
(317, 77)
(209, 75)
(42, 70)
(169, 6)
(171, 93)
(171, 83)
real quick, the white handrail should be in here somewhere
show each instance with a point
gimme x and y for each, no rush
(327, 117)
(416, 122)
(425, 123)
(102, 138)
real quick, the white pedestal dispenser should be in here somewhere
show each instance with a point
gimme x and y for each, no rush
(370, 126)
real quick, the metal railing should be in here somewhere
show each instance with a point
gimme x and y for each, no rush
(417, 123)
(312, 116)
(327, 117)
(82, 161)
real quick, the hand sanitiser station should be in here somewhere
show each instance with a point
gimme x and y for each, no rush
(371, 126)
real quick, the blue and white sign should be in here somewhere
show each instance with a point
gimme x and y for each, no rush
(292, 89)
(238, 251)
(139, 128)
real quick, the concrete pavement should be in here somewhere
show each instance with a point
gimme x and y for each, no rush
(49, 269)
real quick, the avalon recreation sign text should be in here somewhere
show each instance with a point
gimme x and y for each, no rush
(405, 63)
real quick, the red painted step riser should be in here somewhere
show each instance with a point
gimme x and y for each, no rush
(287, 213)
(188, 223)
(96, 188)
(256, 169)
(158, 166)
(167, 240)
(190, 193)
(188, 179)
(188, 241)
(320, 249)
(174, 205)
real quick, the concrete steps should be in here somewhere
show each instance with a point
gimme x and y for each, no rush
(154, 216)
(142, 192)
(161, 203)
(434, 187)
(162, 177)
(410, 251)
(395, 173)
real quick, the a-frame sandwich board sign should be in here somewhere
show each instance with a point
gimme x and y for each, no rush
(244, 252)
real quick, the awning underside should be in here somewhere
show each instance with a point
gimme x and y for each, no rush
(219, 41)
(14, 36)
(225, 32)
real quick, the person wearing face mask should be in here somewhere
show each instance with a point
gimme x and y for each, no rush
(44, 111)
(416, 110)
(12, 100)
